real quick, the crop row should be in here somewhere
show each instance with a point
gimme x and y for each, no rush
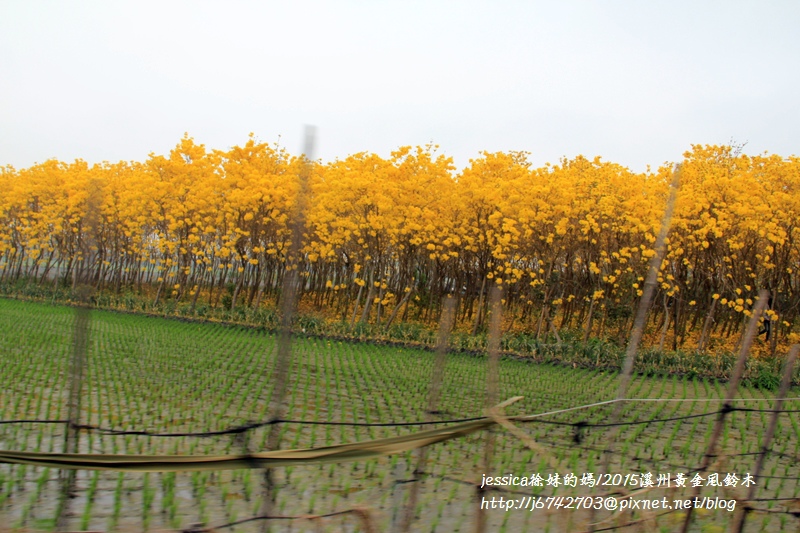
(169, 376)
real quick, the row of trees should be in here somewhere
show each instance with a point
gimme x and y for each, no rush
(387, 238)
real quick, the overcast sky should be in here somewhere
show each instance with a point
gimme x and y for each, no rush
(634, 82)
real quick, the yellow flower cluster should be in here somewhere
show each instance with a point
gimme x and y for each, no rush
(567, 234)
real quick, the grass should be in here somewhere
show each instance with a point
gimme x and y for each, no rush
(597, 353)
(176, 376)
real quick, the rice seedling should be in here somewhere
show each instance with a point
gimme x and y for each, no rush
(166, 376)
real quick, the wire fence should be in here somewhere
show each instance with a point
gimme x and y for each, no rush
(539, 418)
(536, 418)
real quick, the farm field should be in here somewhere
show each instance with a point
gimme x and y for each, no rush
(161, 375)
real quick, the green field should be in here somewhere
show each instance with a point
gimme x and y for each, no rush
(160, 375)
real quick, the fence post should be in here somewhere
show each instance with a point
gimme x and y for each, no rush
(289, 295)
(80, 346)
(639, 323)
(742, 511)
(492, 382)
(445, 323)
(80, 349)
(733, 385)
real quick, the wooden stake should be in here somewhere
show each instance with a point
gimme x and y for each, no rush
(492, 382)
(639, 322)
(742, 510)
(289, 295)
(733, 385)
(445, 324)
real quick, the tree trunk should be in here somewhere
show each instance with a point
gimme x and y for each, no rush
(479, 313)
(403, 302)
(370, 296)
(355, 307)
(701, 345)
(588, 330)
